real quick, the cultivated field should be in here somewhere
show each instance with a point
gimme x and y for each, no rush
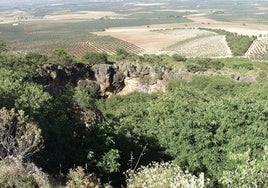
(207, 46)
(152, 28)
(186, 39)
(93, 43)
(258, 50)
(189, 42)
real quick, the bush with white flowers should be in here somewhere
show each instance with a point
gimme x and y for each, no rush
(168, 175)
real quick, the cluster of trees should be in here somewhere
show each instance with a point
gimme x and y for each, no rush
(205, 126)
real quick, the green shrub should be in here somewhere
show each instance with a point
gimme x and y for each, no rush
(60, 56)
(216, 85)
(3, 46)
(152, 59)
(121, 54)
(246, 66)
(174, 84)
(93, 58)
(177, 57)
(199, 131)
(85, 97)
(246, 172)
(203, 64)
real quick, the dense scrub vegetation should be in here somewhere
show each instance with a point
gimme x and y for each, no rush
(210, 125)
(239, 44)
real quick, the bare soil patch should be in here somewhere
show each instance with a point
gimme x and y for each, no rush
(82, 15)
(263, 8)
(150, 40)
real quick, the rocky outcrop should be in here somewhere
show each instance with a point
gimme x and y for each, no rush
(118, 78)
(148, 79)
(107, 79)
(56, 77)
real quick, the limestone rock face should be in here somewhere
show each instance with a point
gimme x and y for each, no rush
(55, 77)
(108, 79)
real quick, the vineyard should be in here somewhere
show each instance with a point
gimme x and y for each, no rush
(202, 46)
(106, 44)
(92, 43)
(258, 50)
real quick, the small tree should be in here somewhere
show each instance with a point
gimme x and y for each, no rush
(19, 137)
(178, 57)
(93, 58)
(60, 56)
(85, 97)
(121, 54)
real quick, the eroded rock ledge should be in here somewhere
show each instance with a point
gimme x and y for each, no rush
(108, 79)
(120, 78)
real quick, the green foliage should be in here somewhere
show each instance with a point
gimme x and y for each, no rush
(198, 64)
(196, 123)
(128, 115)
(35, 58)
(177, 57)
(21, 68)
(245, 66)
(14, 92)
(199, 131)
(158, 175)
(31, 98)
(121, 54)
(246, 172)
(3, 46)
(60, 56)
(93, 58)
(152, 59)
(175, 84)
(238, 44)
(85, 97)
(8, 88)
(110, 161)
(217, 85)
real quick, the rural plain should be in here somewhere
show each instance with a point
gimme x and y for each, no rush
(151, 28)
